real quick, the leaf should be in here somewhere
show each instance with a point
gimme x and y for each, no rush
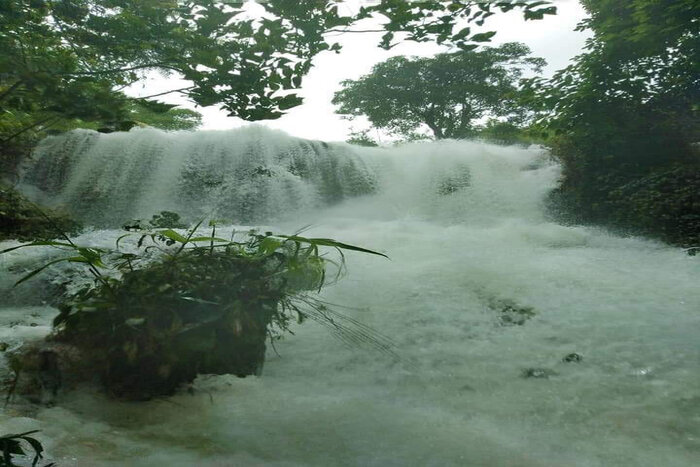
(37, 271)
(332, 243)
(198, 300)
(92, 256)
(483, 37)
(121, 237)
(41, 243)
(172, 235)
(38, 448)
(464, 32)
(207, 239)
(269, 245)
(135, 321)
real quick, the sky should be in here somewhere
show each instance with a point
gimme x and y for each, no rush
(552, 38)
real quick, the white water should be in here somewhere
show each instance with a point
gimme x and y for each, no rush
(630, 307)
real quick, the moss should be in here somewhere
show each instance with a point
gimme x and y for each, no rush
(20, 219)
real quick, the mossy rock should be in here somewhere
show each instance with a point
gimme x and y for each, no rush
(20, 219)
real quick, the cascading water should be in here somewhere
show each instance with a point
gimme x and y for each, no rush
(249, 175)
(484, 298)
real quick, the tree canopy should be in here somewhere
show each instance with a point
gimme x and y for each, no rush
(72, 56)
(447, 92)
(624, 118)
(634, 91)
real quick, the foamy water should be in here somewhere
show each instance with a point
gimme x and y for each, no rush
(464, 227)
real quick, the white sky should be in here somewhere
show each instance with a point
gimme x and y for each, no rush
(552, 38)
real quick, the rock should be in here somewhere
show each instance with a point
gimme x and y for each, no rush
(43, 368)
(510, 313)
(541, 373)
(572, 358)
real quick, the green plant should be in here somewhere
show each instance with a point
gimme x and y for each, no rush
(11, 445)
(188, 304)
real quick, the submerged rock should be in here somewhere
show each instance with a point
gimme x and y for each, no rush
(540, 373)
(43, 368)
(572, 357)
(511, 313)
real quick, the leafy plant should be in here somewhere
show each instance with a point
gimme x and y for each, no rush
(191, 303)
(11, 445)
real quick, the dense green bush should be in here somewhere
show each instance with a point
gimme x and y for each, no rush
(188, 305)
(663, 203)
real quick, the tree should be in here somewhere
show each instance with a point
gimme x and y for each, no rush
(61, 54)
(632, 97)
(163, 116)
(625, 118)
(361, 138)
(447, 93)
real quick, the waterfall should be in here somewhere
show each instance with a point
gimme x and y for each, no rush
(246, 175)
(485, 297)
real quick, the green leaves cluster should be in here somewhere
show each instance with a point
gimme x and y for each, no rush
(188, 303)
(437, 20)
(626, 111)
(446, 93)
(11, 445)
(70, 55)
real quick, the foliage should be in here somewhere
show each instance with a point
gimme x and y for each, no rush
(69, 58)
(508, 133)
(447, 93)
(663, 203)
(203, 304)
(362, 138)
(631, 98)
(164, 219)
(163, 116)
(11, 445)
(625, 114)
(22, 220)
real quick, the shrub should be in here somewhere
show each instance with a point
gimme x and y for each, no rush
(189, 305)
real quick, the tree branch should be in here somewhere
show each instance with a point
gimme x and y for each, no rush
(25, 129)
(10, 90)
(122, 70)
(359, 31)
(167, 92)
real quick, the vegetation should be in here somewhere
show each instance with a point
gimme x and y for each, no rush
(189, 304)
(447, 93)
(11, 445)
(70, 59)
(22, 220)
(163, 116)
(624, 119)
(362, 138)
